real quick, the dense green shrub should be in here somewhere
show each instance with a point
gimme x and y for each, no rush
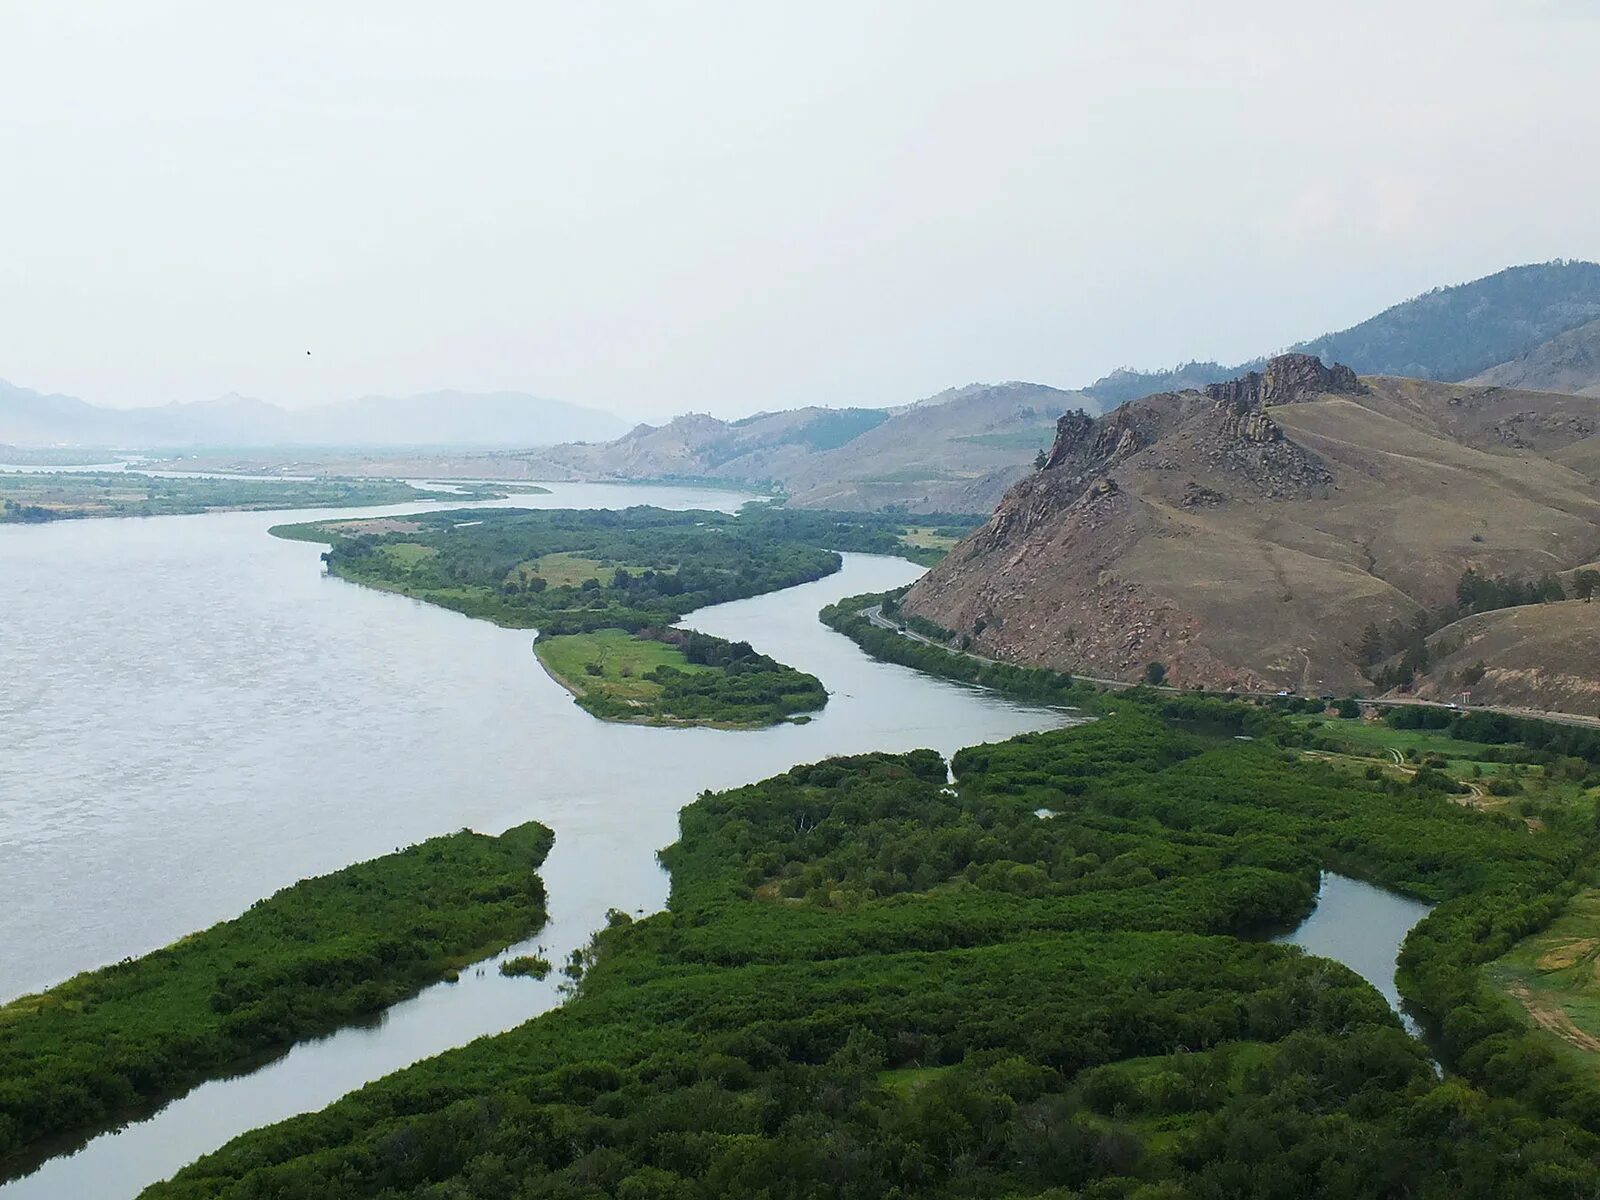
(310, 958)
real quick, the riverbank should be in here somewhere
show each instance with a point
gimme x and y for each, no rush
(604, 591)
(312, 957)
(1065, 1000)
(38, 497)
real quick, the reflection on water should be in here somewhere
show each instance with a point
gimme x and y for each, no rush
(195, 716)
(1361, 926)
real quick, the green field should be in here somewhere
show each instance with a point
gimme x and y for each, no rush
(407, 554)
(315, 956)
(677, 677)
(1554, 977)
(622, 660)
(922, 537)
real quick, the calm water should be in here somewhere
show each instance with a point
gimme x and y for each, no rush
(1361, 926)
(193, 716)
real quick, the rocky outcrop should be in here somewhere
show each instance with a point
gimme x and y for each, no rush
(1287, 379)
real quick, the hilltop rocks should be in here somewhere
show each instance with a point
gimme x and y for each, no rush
(1287, 379)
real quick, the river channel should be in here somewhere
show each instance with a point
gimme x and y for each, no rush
(193, 716)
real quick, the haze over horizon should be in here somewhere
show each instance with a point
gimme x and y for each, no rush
(724, 209)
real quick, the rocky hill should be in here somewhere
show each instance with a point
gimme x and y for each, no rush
(1449, 333)
(1247, 534)
(1568, 362)
(955, 452)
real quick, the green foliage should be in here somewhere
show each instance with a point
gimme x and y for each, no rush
(1550, 737)
(871, 984)
(1036, 685)
(310, 958)
(677, 676)
(526, 964)
(1455, 332)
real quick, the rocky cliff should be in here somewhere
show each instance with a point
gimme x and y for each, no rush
(1246, 533)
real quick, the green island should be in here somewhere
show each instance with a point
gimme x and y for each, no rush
(1049, 979)
(604, 588)
(109, 1043)
(37, 497)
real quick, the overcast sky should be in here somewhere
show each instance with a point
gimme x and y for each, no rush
(726, 207)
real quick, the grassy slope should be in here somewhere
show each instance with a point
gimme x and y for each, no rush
(306, 960)
(1555, 977)
(1534, 656)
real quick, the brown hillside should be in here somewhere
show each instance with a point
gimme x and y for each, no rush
(1247, 534)
(1542, 656)
(955, 452)
(1568, 362)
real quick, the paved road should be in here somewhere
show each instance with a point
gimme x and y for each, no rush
(875, 615)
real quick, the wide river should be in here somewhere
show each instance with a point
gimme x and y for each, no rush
(192, 716)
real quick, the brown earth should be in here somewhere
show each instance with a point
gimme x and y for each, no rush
(1245, 535)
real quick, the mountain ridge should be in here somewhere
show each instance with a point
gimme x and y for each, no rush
(447, 417)
(1247, 534)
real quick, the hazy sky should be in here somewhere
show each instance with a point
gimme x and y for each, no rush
(658, 207)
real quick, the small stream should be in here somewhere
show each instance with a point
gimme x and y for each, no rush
(1361, 926)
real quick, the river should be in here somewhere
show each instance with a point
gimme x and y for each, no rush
(194, 716)
(1361, 926)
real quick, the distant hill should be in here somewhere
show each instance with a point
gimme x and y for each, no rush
(1568, 362)
(957, 451)
(1450, 333)
(450, 418)
(1250, 533)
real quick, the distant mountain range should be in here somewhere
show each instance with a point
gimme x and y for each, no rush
(1451, 333)
(448, 418)
(954, 452)
(1535, 327)
(1532, 327)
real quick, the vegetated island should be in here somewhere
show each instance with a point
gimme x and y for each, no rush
(33, 497)
(319, 954)
(1046, 980)
(603, 588)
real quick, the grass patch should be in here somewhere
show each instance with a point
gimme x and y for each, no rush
(1014, 439)
(922, 537)
(611, 662)
(1554, 979)
(677, 677)
(407, 554)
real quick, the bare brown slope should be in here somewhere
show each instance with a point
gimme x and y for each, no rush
(1248, 534)
(1538, 656)
(955, 452)
(1568, 362)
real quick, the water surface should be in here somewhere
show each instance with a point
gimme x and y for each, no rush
(194, 716)
(1361, 926)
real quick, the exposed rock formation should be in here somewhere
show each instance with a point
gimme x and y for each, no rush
(1287, 379)
(1245, 535)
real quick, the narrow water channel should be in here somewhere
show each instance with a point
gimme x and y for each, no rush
(1363, 927)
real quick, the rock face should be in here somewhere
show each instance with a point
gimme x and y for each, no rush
(1287, 379)
(1245, 534)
